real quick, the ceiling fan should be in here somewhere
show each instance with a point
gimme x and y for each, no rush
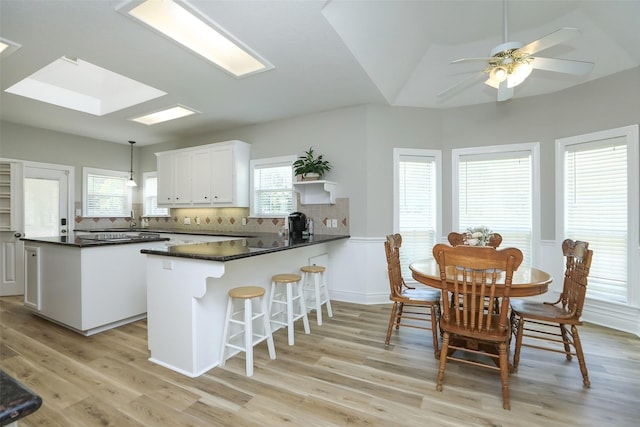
(510, 63)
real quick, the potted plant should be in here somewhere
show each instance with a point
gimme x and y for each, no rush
(309, 167)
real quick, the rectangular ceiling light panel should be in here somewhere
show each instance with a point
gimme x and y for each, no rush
(82, 86)
(164, 115)
(199, 35)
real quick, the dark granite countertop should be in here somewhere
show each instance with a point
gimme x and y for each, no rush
(84, 240)
(240, 248)
(16, 401)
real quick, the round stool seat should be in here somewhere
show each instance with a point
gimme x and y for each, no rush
(286, 278)
(312, 269)
(244, 292)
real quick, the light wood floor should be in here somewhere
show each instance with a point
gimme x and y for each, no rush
(341, 374)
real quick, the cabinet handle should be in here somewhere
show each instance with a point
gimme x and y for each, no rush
(18, 235)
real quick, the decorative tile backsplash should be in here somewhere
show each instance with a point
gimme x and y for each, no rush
(228, 219)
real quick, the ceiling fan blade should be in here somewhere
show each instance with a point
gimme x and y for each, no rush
(557, 37)
(578, 68)
(458, 61)
(461, 85)
(504, 92)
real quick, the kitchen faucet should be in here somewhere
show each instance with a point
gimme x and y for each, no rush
(133, 220)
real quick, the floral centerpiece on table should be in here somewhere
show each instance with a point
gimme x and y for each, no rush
(478, 236)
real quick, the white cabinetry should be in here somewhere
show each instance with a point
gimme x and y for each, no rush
(9, 195)
(210, 175)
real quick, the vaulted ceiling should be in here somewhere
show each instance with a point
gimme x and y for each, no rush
(326, 55)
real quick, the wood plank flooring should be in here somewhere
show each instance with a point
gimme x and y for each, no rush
(341, 374)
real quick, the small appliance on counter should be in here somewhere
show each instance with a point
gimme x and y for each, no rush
(297, 224)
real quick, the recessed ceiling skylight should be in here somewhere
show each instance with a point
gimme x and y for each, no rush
(200, 35)
(79, 85)
(164, 115)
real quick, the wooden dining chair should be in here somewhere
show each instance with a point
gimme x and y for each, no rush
(472, 279)
(412, 307)
(456, 239)
(539, 322)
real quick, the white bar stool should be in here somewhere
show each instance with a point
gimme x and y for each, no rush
(245, 318)
(286, 299)
(315, 289)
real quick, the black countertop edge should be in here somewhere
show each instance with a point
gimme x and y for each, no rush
(76, 241)
(234, 249)
(170, 231)
(16, 400)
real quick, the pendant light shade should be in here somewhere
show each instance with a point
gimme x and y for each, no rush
(131, 182)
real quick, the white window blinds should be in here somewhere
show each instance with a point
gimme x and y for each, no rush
(596, 211)
(151, 196)
(106, 193)
(495, 190)
(272, 187)
(416, 208)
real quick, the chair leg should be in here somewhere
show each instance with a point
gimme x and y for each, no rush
(583, 365)
(435, 314)
(399, 310)
(516, 351)
(504, 374)
(392, 318)
(443, 360)
(266, 320)
(565, 341)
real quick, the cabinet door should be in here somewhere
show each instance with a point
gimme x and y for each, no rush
(32, 277)
(182, 178)
(222, 175)
(201, 176)
(166, 180)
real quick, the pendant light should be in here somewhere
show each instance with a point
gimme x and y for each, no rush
(131, 182)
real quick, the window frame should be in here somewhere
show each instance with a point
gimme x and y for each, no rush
(274, 162)
(534, 149)
(86, 171)
(630, 134)
(436, 155)
(145, 177)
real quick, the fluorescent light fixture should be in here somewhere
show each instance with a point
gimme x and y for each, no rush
(7, 47)
(165, 115)
(79, 85)
(200, 35)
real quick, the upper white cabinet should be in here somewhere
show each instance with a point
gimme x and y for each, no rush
(208, 175)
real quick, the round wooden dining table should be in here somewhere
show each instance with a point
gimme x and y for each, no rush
(526, 282)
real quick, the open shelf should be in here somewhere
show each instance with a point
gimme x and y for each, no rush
(316, 192)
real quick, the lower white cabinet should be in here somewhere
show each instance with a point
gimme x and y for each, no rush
(208, 175)
(87, 289)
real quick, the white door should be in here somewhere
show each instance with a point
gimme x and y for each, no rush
(46, 207)
(11, 229)
(43, 211)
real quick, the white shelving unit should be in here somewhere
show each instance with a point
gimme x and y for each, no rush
(6, 193)
(316, 192)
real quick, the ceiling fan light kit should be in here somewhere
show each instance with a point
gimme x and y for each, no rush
(510, 63)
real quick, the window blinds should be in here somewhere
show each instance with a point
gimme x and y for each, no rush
(596, 211)
(495, 190)
(417, 209)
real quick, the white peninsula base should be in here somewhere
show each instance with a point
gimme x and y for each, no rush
(186, 301)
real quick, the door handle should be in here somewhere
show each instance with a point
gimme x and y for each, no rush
(17, 235)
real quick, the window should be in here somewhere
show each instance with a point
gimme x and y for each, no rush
(106, 193)
(598, 195)
(494, 187)
(272, 187)
(150, 185)
(416, 203)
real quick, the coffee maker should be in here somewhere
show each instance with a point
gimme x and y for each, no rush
(297, 224)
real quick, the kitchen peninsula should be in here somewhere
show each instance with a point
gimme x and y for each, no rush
(187, 289)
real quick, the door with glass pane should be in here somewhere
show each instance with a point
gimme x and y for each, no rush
(42, 211)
